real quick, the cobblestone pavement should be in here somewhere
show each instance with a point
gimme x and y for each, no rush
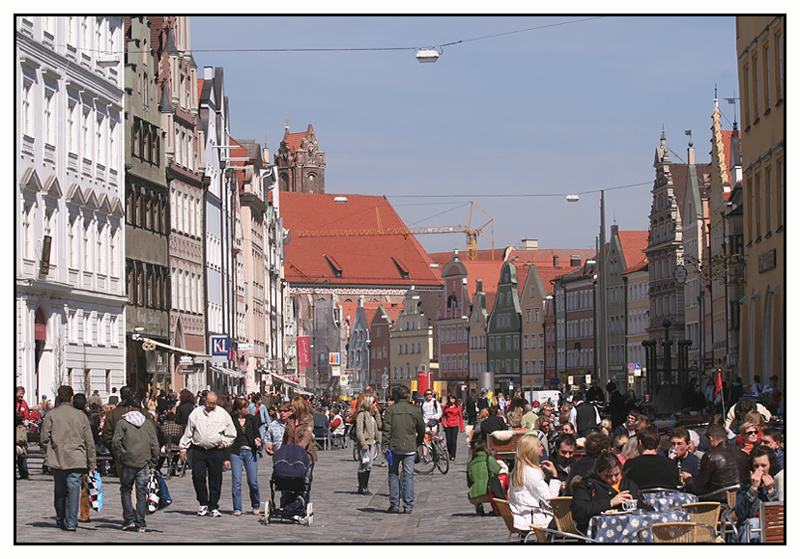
(442, 513)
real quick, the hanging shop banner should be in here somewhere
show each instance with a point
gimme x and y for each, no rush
(303, 352)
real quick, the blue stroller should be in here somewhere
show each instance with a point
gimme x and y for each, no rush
(291, 475)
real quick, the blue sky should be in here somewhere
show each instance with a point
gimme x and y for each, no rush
(500, 121)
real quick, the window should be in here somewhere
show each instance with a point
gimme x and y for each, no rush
(72, 126)
(756, 89)
(528, 315)
(49, 118)
(767, 77)
(536, 315)
(27, 108)
(746, 100)
(541, 340)
(769, 200)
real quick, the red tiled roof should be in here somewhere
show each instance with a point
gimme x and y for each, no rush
(489, 272)
(393, 311)
(364, 257)
(549, 273)
(545, 255)
(640, 265)
(199, 90)
(633, 244)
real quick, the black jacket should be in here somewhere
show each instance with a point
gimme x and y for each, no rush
(651, 470)
(592, 496)
(722, 466)
(250, 430)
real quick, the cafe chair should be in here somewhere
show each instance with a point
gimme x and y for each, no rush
(727, 496)
(563, 517)
(705, 513)
(680, 532)
(773, 524)
(508, 517)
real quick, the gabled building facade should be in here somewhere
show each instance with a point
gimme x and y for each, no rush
(411, 342)
(624, 249)
(452, 322)
(504, 333)
(68, 202)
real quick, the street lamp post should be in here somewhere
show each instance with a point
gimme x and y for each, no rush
(314, 363)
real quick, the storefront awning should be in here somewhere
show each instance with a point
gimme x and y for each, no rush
(226, 371)
(196, 354)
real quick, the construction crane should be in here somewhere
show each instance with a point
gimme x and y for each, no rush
(472, 234)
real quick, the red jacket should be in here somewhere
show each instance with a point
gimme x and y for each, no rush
(452, 416)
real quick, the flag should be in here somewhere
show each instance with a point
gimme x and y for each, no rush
(719, 383)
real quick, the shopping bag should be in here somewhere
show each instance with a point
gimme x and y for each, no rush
(158, 496)
(94, 490)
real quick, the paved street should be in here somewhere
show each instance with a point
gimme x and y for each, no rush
(441, 513)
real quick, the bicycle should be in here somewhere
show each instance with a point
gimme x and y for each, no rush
(432, 454)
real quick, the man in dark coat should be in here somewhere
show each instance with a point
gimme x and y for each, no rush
(616, 405)
(649, 469)
(722, 466)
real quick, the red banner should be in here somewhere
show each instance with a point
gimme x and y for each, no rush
(303, 352)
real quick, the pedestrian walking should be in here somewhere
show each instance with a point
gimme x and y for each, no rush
(135, 449)
(403, 432)
(242, 454)
(260, 411)
(453, 420)
(368, 422)
(69, 453)
(208, 432)
(21, 420)
(300, 428)
(274, 435)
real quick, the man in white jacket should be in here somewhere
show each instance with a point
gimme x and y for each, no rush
(208, 432)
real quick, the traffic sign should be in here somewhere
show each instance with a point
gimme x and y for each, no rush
(631, 366)
(385, 377)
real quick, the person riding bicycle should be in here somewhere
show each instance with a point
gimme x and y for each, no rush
(431, 413)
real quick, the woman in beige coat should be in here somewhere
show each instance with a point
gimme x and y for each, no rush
(368, 422)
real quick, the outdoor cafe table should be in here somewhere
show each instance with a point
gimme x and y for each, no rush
(621, 527)
(668, 500)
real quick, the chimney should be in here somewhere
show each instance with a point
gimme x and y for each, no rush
(530, 244)
(555, 261)
(208, 73)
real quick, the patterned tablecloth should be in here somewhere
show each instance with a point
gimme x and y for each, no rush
(668, 500)
(622, 528)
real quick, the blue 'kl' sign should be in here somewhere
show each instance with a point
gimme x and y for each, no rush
(220, 345)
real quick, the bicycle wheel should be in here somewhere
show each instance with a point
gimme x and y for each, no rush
(427, 459)
(355, 452)
(442, 458)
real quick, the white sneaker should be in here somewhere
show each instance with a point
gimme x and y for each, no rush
(215, 513)
(202, 511)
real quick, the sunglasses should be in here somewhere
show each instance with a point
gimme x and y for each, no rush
(428, 394)
(284, 411)
(752, 433)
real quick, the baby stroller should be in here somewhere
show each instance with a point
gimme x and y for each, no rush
(290, 466)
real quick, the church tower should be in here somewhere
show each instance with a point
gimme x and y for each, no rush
(301, 164)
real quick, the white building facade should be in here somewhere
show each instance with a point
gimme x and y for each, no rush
(70, 261)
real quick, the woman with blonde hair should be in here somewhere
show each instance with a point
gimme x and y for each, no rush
(529, 495)
(367, 424)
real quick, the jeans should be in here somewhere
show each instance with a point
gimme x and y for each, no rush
(128, 478)
(209, 460)
(406, 479)
(67, 497)
(365, 458)
(247, 459)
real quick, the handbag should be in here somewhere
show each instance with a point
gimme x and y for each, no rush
(94, 490)
(158, 496)
(495, 487)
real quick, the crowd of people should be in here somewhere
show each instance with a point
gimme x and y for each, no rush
(621, 456)
(566, 447)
